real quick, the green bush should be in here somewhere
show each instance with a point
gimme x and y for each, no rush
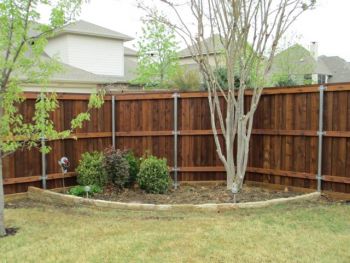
(186, 79)
(116, 167)
(154, 175)
(90, 170)
(134, 167)
(79, 190)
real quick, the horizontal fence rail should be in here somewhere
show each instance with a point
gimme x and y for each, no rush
(283, 147)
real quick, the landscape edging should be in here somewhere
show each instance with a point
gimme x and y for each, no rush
(50, 197)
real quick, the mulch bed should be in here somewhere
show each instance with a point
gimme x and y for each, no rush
(192, 194)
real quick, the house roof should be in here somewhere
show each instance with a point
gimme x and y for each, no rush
(301, 56)
(130, 52)
(209, 46)
(322, 68)
(340, 69)
(71, 74)
(82, 27)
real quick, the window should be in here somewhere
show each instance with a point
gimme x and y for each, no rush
(307, 79)
(321, 79)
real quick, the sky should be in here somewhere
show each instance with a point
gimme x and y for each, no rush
(328, 24)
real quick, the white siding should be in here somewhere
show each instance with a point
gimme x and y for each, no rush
(97, 55)
(58, 47)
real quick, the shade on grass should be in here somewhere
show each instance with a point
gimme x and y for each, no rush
(303, 232)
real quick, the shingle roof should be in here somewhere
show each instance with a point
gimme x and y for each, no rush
(340, 69)
(208, 45)
(130, 52)
(82, 27)
(322, 68)
(73, 74)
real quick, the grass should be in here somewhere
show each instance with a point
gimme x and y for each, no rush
(303, 232)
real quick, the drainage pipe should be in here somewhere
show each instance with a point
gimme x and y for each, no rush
(320, 134)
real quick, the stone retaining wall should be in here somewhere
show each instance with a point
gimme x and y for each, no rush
(50, 197)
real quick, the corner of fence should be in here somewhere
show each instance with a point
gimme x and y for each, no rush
(320, 134)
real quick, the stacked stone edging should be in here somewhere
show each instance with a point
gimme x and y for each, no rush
(50, 197)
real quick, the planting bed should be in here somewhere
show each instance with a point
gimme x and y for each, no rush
(192, 194)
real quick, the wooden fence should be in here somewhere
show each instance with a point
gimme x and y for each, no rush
(284, 144)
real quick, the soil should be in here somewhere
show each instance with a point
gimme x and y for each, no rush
(11, 231)
(193, 194)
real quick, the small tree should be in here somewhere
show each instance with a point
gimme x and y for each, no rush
(22, 43)
(157, 55)
(292, 65)
(241, 25)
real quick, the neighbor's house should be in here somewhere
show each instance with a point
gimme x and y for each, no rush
(302, 65)
(91, 56)
(211, 49)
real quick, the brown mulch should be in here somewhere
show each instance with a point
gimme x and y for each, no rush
(193, 194)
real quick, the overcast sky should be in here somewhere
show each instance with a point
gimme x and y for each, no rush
(328, 24)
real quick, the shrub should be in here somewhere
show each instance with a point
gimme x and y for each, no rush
(79, 190)
(90, 170)
(186, 79)
(116, 166)
(154, 175)
(134, 167)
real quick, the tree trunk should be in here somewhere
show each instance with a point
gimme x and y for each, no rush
(2, 198)
(230, 173)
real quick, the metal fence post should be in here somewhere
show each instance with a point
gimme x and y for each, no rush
(175, 133)
(43, 156)
(43, 163)
(320, 134)
(113, 122)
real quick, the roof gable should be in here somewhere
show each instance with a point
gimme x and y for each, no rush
(210, 45)
(82, 27)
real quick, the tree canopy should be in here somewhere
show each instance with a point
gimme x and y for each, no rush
(22, 42)
(157, 55)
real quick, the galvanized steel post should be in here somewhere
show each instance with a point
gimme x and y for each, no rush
(320, 134)
(113, 122)
(43, 163)
(43, 156)
(175, 133)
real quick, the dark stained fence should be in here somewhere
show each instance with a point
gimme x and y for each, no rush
(283, 148)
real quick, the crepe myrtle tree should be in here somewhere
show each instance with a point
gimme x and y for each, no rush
(248, 33)
(22, 42)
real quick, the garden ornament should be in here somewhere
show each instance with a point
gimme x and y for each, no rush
(64, 163)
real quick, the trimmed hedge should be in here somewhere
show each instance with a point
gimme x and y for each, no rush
(90, 170)
(153, 176)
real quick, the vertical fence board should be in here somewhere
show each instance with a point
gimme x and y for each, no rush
(284, 139)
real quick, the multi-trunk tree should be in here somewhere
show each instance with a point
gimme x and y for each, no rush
(22, 43)
(248, 32)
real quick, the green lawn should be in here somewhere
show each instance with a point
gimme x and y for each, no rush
(304, 232)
